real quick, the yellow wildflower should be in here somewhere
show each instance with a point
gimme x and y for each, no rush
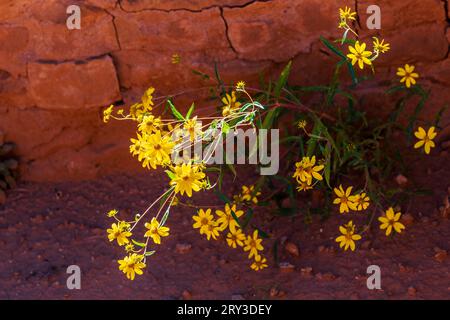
(359, 54)
(107, 113)
(249, 194)
(187, 179)
(302, 124)
(259, 263)
(226, 219)
(150, 124)
(112, 213)
(212, 230)
(240, 86)
(253, 244)
(380, 46)
(425, 139)
(176, 58)
(119, 232)
(230, 104)
(304, 186)
(193, 128)
(348, 237)
(129, 247)
(306, 169)
(362, 201)
(235, 238)
(137, 147)
(159, 149)
(147, 99)
(132, 265)
(202, 220)
(345, 199)
(347, 13)
(390, 221)
(155, 231)
(408, 75)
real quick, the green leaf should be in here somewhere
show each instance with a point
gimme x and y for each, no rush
(170, 174)
(248, 217)
(282, 80)
(261, 233)
(140, 244)
(165, 216)
(330, 46)
(149, 253)
(175, 112)
(222, 196)
(225, 127)
(191, 109)
(201, 74)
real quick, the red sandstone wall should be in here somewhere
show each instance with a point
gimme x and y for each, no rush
(54, 81)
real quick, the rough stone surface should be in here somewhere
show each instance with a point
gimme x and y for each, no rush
(54, 82)
(288, 28)
(72, 85)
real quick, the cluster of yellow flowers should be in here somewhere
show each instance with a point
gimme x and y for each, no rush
(157, 142)
(360, 202)
(305, 171)
(227, 220)
(357, 52)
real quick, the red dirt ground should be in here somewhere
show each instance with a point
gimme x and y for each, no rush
(46, 227)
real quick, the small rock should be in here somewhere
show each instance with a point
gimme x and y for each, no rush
(412, 291)
(307, 272)
(401, 180)
(286, 267)
(237, 297)
(183, 248)
(274, 292)
(440, 256)
(281, 294)
(186, 295)
(321, 249)
(292, 249)
(407, 219)
(325, 277)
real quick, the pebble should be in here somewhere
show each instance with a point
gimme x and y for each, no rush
(412, 291)
(401, 180)
(274, 292)
(237, 297)
(183, 248)
(292, 249)
(286, 267)
(407, 219)
(307, 272)
(186, 294)
(440, 255)
(325, 277)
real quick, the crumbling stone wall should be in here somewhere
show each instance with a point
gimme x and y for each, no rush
(54, 81)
